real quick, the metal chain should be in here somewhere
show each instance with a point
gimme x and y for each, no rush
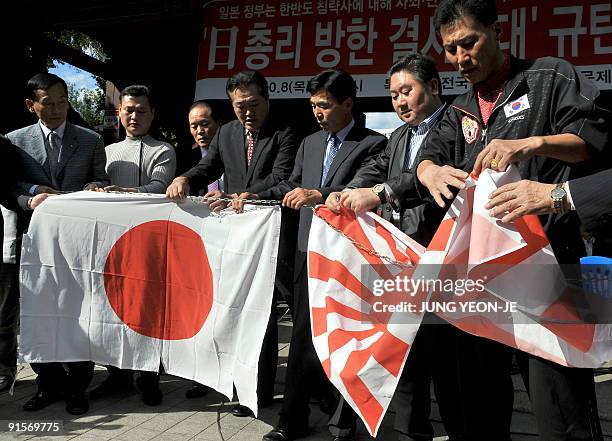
(273, 202)
(363, 247)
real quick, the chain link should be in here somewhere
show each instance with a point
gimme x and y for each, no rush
(362, 247)
(273, 202)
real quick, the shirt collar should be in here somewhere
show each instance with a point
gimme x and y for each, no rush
(341, 134)
(46, 130)
(430, 120)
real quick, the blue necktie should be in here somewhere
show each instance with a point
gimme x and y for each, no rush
(332, 151)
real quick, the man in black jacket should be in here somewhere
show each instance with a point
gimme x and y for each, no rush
(544, 116)
(326, 161)
(416, 90)
(9, 294)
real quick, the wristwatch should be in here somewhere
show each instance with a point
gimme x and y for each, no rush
(379, 190)
(559, 198)
(29, 203)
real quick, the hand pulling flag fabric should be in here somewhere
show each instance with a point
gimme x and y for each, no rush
(525, 302)
(128, 280)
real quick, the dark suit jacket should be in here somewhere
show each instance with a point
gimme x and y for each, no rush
(593, 200)
(360, 145)
(272, 160)
(10, 171)
(420, 222)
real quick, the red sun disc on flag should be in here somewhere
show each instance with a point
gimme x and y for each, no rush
(158, 280)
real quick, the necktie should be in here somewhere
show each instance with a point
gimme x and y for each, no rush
(251, 140)
(55, 144)
(332, 151)
(214, 186)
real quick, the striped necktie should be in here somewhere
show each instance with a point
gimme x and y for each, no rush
(55, 145)
(332, 151)
(251, 140)
(214, 186)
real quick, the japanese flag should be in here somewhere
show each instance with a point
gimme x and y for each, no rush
(128, 280)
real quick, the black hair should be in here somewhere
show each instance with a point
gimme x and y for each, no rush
(422, 67)
(214, 111)
(449, 11)
(244, 79)
(138, 90)
(336, 82)
(43, 81)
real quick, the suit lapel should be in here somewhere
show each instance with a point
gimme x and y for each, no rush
(264, 137)
(237, 143)
(346, 148)
(318, 156)
(398, 156)
(36, 148)
(69, 146)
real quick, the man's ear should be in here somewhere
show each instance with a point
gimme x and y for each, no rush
(434, 86)
(30, 105)
(348, 103)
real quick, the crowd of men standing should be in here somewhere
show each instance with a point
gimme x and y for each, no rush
(409, 179)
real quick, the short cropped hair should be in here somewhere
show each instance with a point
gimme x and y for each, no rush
(422, 67)
(214, 111)
(138, 90)
(244, 79)
(449, 11)
(43, 81)
(337, 82)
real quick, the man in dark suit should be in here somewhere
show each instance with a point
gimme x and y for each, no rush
(326, 161)
(57, 156)
(204, 121)
(252, 155)
(9, 294)
(416, 91)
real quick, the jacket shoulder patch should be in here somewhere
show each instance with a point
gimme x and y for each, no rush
(470, 128)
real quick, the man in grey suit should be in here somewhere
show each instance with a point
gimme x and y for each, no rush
(326, 161)
(57, 156)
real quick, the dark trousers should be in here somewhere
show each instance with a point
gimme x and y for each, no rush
(432, 357)
(148, 380)
(9, 317)
(305, 377)
(53, 378)
(563, 400)
(486, 392)
(283, 288)
(268, 358)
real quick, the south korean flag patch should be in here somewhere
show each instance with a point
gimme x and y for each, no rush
(517, 106)
(470, 129)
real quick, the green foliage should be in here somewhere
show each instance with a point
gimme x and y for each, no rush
(89, 103)
(81, 42)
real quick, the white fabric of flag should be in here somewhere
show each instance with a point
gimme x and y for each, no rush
(128, 279)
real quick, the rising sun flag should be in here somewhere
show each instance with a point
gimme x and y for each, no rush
(363, 350)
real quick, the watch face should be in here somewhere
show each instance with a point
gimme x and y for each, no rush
(378, 188)
(557, 193)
